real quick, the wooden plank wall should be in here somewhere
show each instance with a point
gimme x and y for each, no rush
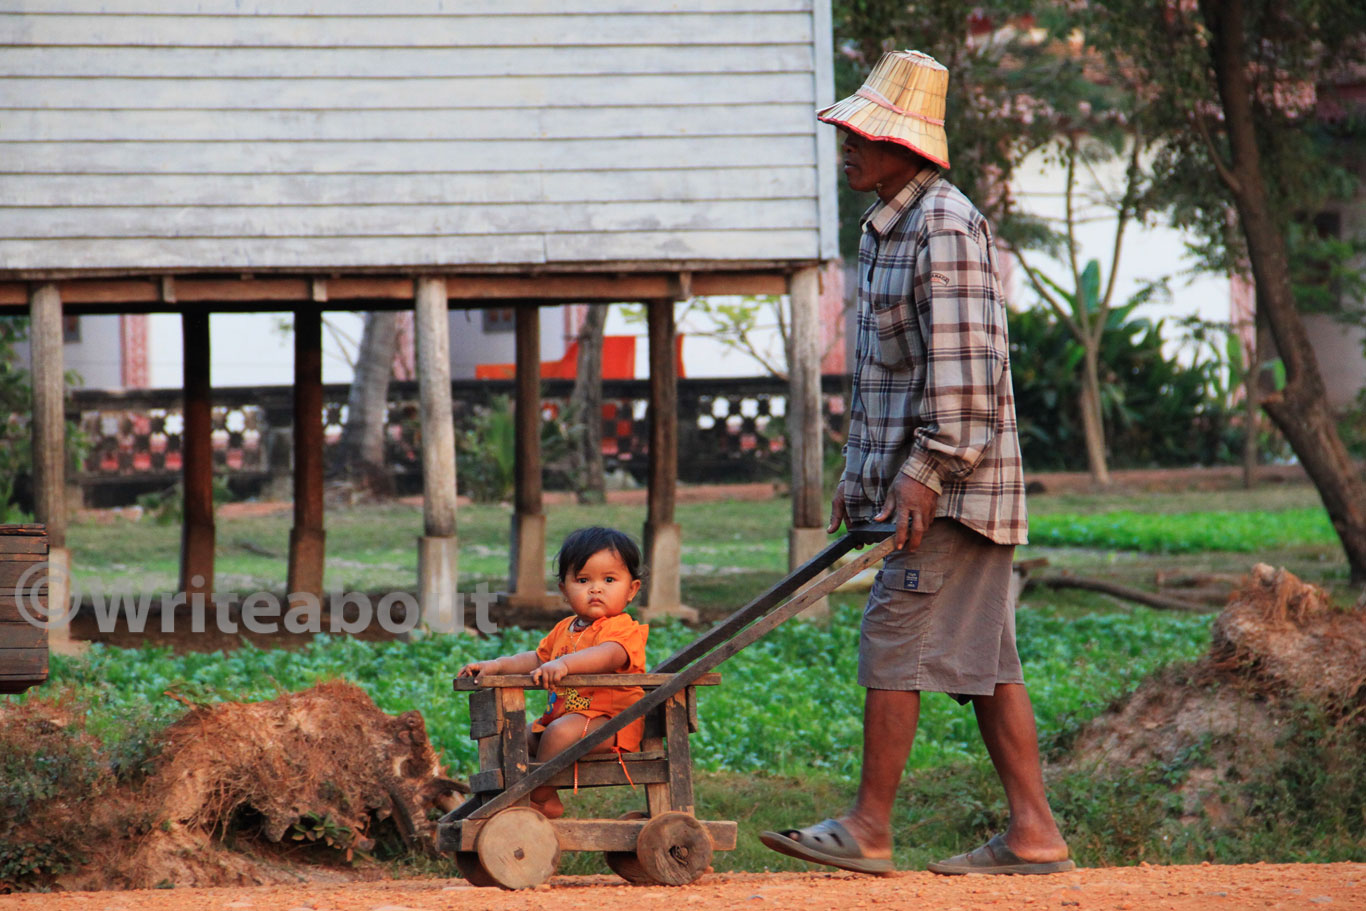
(170, 134)
(23, 646)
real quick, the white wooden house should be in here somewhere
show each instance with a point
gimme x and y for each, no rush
(191, 156)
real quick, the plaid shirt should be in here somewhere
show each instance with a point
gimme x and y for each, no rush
(932, 395)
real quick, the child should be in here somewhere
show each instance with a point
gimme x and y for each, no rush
(600, 573)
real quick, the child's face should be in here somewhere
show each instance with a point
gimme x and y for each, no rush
(601, 588)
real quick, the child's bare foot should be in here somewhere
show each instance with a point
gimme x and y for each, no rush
(551, 807)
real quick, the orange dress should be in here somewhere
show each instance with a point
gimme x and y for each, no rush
(597, 701)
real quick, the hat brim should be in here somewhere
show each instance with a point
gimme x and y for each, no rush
(871, 121)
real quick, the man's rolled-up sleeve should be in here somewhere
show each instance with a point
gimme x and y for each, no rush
(962, 318)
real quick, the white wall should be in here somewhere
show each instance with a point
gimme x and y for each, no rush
(1149, 251)
(248, 349)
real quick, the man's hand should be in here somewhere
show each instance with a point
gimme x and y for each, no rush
(837, 510)
(550, 673)
(479, 669)
(912, 503)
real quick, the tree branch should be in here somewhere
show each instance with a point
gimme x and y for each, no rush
(1137, 595)
(1126, 204)
(1082, 316)
(1224, 168)
(1042, 290)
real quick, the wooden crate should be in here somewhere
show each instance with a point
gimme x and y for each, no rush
(23, 646)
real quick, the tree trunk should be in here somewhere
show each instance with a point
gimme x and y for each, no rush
(361, 449)
(1092, 421)
(1250, 413)
(585, 404)
(1300, 410)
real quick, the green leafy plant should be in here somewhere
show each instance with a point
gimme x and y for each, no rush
(16, 409)
(329, 833)
(1157, 410)
(485, 452)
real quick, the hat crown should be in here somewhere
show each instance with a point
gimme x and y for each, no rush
(912, 81)
(901, 101)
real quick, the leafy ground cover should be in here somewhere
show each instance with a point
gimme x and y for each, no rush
(780, 738)
(789, 703)
(1252, 531)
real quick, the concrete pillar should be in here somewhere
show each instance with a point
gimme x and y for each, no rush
(436, 555)
(48, 429)
(663, 538)
(804, 428)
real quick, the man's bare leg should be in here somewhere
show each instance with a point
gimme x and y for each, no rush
(889, 721)
(1006, 720)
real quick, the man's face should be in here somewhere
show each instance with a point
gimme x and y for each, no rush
(870, 165)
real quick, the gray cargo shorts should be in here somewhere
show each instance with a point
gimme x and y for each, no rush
(941, 619)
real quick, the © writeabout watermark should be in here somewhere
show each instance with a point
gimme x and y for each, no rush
(263, 613)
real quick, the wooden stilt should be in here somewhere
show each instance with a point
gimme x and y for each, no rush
(307, 537)
(436, 561)
(526, 574)
(197, 528)
(49, 452)
(804, 430)
(663, 543)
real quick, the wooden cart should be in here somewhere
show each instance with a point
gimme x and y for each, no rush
(499, 840)
(23, 643)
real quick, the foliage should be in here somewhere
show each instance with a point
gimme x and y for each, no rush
(16, 401)
(1157, 410)
(1009, 92)
(61, 750)
(1296, 50)
(485, 453)
(1254, 531)
(1250, 113)
(327, 832)
(16, 409)
(167, 507)
(1077, 665)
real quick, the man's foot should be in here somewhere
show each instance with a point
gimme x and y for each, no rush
(829, 843)
(1034, 839)
(996, 857)
(873, 841)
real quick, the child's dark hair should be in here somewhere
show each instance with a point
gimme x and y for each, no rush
(580, 546)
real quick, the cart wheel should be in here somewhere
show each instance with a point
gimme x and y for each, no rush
(517, 848)
(625, 863)
(674, 849)
(473, 871)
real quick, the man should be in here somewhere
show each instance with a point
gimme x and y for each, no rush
(932, 446)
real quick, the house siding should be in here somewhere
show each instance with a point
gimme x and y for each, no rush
(207, 134)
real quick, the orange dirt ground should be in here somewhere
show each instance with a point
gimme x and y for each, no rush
(1143, 888)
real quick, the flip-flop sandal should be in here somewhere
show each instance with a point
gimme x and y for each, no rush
(995, 857)
(826, 843)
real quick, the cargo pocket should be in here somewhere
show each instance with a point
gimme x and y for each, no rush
(893, 350)
(892, 603)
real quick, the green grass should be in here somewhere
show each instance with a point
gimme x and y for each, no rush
(1251, 531)
(789, 703)
(731, 550)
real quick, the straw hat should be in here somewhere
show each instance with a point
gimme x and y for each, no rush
(901, 101)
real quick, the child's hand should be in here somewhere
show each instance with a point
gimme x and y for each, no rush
(479, 668)
(550, 673)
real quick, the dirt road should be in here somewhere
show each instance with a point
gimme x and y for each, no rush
(1193, 888)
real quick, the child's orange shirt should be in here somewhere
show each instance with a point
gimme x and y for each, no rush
(597, 701)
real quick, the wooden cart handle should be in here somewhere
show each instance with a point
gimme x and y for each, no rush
(523, 681)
